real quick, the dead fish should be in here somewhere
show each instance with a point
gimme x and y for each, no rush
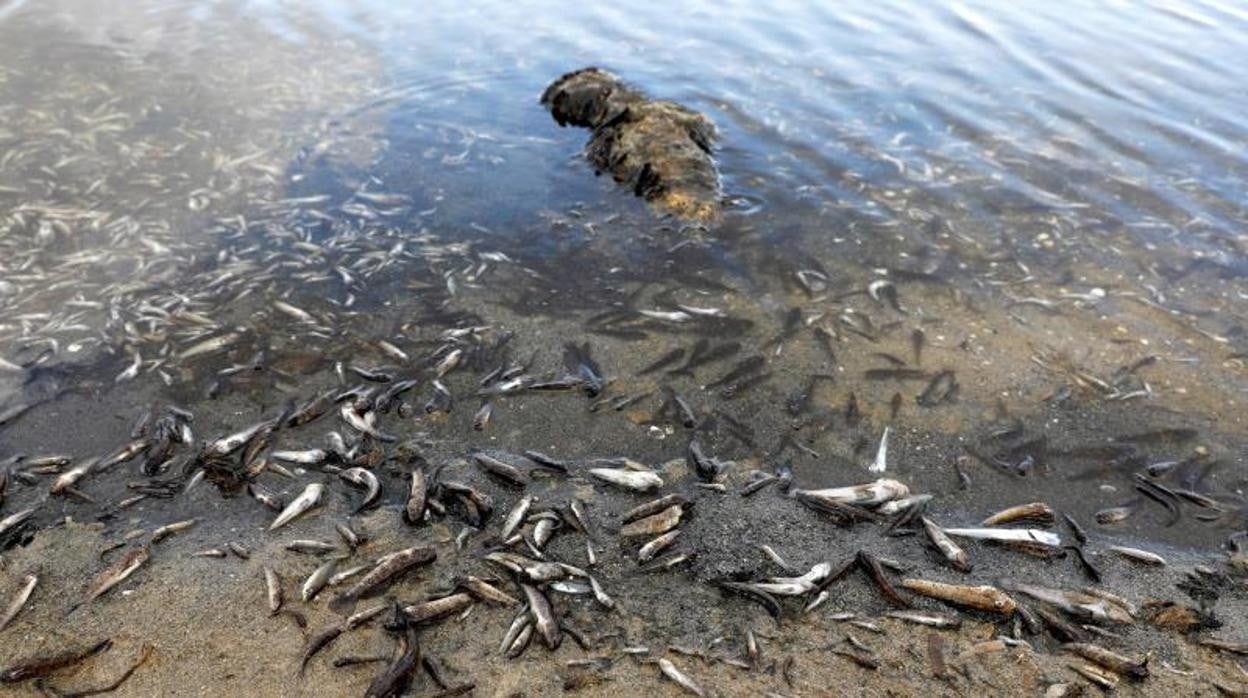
(547, 462)
(1112, 515)
(871, 493)
(449, 362)
(318, 580)
(362, 477)
(983, 598)
(941, 389)
(743, 369)
(1137, 555)
(115, 574)
(310, 497)
(210, 345)
(1077, 604)
(795, 586)
(1035, 512)
(481, 419)
(655, 524)
(533, 570)
(34, 667)
(487, 592)
(295, 312)
(516, 516)
(319, 642)
(679, 677)
(169, 529)
(29, 582)
(364, 422)
(881, 455)
(226, 445)
(1136, 669)
(898, 506)
(273, 589)
(387, 570)
(932, 620)
(1104, 679)
(518, 624)
(344, 575)
(600, 595)
(311, 456)
(1008, 535)
(70, 477)
(657, 545)
(417, 498)
(687, 418)
(12, 521)
(633, 480)
(314, 547)
(348, 535)
(265, 497)
(543, 530)
(664, 361)
(434, 609)
(543, 616)
(506, 472)
(951, 551)
(653, 507)
(311, 410)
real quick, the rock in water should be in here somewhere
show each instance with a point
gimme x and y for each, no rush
(660, 149)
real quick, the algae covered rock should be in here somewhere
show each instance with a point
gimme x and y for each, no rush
(660, 149)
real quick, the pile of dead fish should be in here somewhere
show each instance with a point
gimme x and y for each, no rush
(519, 571)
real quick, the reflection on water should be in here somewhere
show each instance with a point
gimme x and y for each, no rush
(1014, 236)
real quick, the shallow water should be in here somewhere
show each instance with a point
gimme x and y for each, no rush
(1054, 194)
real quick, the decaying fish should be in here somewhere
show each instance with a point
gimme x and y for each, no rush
(318, 580)
(516, 516)
(543, 616)
(982, 598)
(487, 592)
(387, 570)
(505, 472)
(654, 524)
(435, 609)
(1009, 535)
(1137, 555)
(417, 498)
(29, 582)
(1078, 604)
(932, 620)
(310, 497)
(652, 507)
(651, 549)
(362, 477)
(1136, 669)
(634, 480)
(952, 552)
(679, 677)
(34, 667)
(869, 494)
(1035, 512)
(395, 680)
(273, 589)
(795, 586)
(116, 573)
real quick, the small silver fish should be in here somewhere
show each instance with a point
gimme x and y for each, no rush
(635, 480)
(29, 582)
(310, 497)
(318, 580)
